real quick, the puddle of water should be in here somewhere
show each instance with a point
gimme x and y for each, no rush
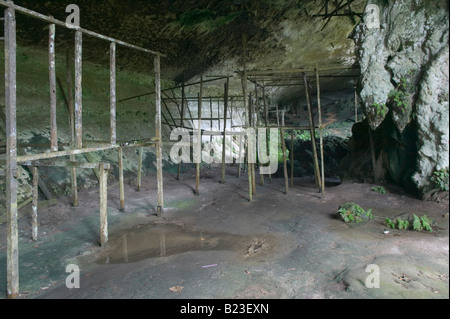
(152, 241)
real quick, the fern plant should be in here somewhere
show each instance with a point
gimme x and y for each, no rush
(426, 223)
(389, 223)
(402, 224)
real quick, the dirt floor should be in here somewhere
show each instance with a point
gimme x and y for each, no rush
(220, 245)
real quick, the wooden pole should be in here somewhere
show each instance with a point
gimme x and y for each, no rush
(70, 106)
(78, 90)
(52, 84)
(313, 133)
(211, 118)
(291, 154)
(319, 108)
(11, 156)
(121, 183)
(251, 163)
(199, 140)
(34, 206)
(222, 177)
(356, 107)
(112, 92)
(183, 97)
(159, 168)
(283, 148)
(139, 173)
(258, 121)
(103, 205)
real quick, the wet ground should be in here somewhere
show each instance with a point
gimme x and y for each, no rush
(219, 245)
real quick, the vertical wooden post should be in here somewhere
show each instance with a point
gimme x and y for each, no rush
(319, 108)
(34, 206)
(52, 84)
(78, 90)
(247, 118)
(211, 117)
(251, 162)
(181, 124)
(313, 133)
(283, 149)
(239, 157)
(103, 204)
(159, 168)
(11, 155)
(291, 154)
(70, 101)
(222, 177)
(266, 123)
(356, 107)
(121, 184)
(139, 173)
(258, 123)
(199, 139)
(112, 92)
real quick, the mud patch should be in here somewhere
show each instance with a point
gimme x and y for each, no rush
(161, 240)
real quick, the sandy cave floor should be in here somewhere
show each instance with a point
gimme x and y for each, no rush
(219, 245)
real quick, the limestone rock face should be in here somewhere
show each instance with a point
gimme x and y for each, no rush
(405, 76)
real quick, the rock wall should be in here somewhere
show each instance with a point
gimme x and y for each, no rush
(404, 83)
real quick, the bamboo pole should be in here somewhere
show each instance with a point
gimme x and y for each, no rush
(121, 183)
(159, 168)
(34, 207)
(222, 177)
(247, 118)
(103, 205)
(291, 154)
(139, 173)
(313, 133)
(319, 108)
(211, 118)
(78, 90)
(112, 92)
(52, 84)
(283, 149)
(251, 157)
(70, 107)
(258, 122)
(181, 125)
(11, 155)
(199, 140)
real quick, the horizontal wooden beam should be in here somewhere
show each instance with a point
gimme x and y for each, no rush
(61, 163)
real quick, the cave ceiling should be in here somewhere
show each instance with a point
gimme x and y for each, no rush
(205, 36)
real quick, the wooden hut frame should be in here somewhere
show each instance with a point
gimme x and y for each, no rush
(78, 147)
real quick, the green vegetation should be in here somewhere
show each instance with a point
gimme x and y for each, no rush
(402, 224)
(351, 212)
(389, 223)
(399, 96)
(379, 189)
(417, 223)
(305, 135)
(380, 109)
(440, 179)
